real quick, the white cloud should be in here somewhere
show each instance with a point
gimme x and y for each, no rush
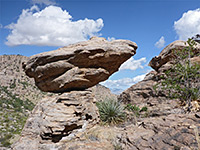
(111, 38)
(160, 43)
(188, 25)
(122, 83)
(51, 26)
(45, 2)
(133, 64)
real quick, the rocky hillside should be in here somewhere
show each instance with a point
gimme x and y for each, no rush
(71, 120)
(15, 80)
(18, 96)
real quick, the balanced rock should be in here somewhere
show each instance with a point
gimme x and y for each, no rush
(166, 55)
(78, 66)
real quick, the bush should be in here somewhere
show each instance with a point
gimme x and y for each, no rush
(182, 80)
(111, 111)
(136, 110)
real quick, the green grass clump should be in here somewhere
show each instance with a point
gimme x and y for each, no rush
(111, 111)
(135, 109)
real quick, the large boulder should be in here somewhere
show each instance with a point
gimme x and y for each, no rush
(166, 55)
(78, 66)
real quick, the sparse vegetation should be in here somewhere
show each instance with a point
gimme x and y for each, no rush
(136, 110)
(14, 113)
(18, 95)
(117, 146)
(111, 111)
(181, 81)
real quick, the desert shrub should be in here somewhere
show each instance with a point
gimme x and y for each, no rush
(14, 113)
(136, 110)
(196, 38)
(111, 111)
(182, 80)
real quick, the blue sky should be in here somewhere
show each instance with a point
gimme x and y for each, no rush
(28, 27)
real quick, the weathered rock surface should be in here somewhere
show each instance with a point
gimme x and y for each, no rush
(78, 66)
(13, 77)
(167, 125)
(59, 118)
(143, 94)
(101, 93)
(70, 121)
(172, 132)
(167, 54)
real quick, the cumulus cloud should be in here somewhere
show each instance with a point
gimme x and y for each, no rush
(133, 64)
(110, 38)
(160, 43)
(51, 26)
(122, 83)
(45, 2)
(188, 25)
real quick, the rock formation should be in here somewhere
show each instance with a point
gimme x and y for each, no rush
(59, 118)
(166, 56)
(143, 94)
(78, 66)
(171, 132)
(168, 127)
(69, 121)
(68, 116)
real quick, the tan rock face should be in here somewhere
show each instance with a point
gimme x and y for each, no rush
(78, 66)
(143, 93)
(167, 54)
(196, 60)
(58, 119)
(175, 131)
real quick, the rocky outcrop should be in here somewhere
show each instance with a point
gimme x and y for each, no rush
(167, 125)
(62, 117)
(172, 132)
(78, 66)
(69, 121)
(167, 55)
(101, 93)
(143, 94)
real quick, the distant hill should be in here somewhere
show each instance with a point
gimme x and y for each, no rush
(14, 79)
(18, 96)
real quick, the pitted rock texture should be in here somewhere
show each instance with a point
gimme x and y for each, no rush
(143, 93)
(60, 118)
(164, 58)
(172, 132)
(78, 66)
